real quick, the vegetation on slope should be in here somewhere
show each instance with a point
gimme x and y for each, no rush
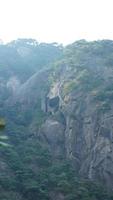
(28, 170)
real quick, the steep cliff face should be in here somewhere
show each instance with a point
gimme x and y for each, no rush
(61, 113)
(76, 97)
(85, 94)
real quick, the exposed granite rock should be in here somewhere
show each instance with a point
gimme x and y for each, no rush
(53, 133)
(82, 92)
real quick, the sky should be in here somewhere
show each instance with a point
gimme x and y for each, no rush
(62, 21)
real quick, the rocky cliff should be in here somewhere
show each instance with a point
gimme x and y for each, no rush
(78, 101)
(68, 108)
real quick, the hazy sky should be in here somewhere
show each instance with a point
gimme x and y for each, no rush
(61, 21)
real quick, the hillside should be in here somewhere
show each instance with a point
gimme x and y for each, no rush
(58, 106)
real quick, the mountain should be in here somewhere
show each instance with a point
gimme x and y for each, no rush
(58, 106)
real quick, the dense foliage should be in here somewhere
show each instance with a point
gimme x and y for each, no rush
(31, 174)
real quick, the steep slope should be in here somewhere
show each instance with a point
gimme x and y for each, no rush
(22, 58)
(59, 124)
(86, 91)
(82, 83)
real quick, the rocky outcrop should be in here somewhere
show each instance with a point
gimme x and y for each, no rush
(75, 100)
(84, 97)
(89, 143)
(52, 132)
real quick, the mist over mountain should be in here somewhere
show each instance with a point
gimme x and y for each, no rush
(58, 106)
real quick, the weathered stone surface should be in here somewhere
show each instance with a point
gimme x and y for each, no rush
(53, 133)
(83, 86)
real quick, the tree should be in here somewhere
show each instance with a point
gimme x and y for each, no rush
(2, 123)
(2, 137)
